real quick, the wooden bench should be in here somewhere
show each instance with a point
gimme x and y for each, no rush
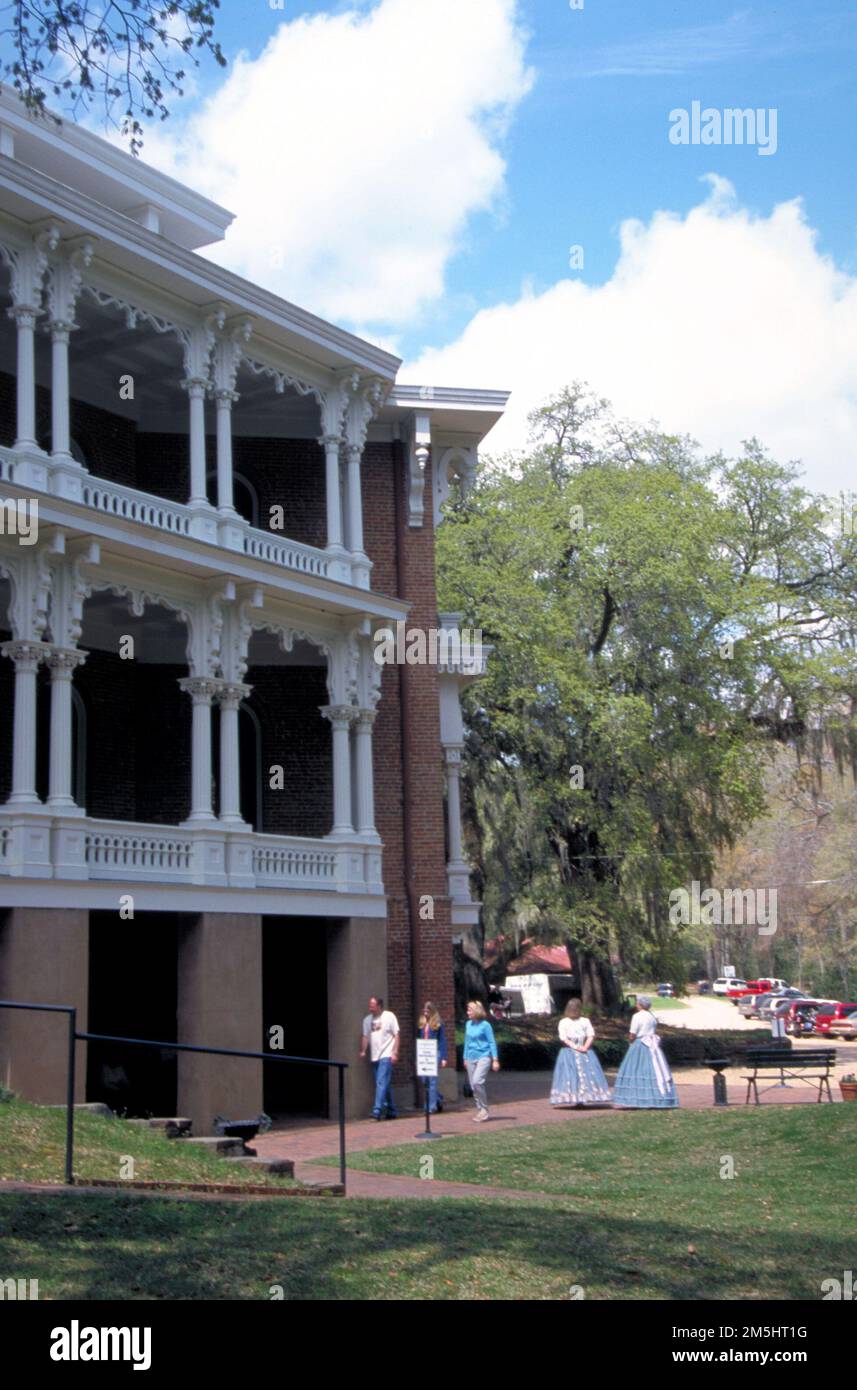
(798, 1064)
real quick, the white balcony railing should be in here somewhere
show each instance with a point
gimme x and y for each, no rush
(119, 854)
(276, 863)
(176, 518)
(82, 848)
(291, 554)
(136, 506)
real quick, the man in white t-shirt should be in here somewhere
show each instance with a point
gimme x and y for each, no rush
(380, 1037)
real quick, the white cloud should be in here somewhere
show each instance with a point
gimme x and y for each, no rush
(722, 324)
(355, 148)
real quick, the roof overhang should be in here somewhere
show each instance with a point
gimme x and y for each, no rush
(452, 411)
(72, 155)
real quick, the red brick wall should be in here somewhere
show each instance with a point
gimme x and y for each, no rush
(137, 739)
(409, 761)
(298, 739)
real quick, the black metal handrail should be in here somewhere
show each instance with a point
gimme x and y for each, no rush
(74, 1036)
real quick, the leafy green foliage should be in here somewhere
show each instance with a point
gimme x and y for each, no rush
(78, 49)
(660, 623)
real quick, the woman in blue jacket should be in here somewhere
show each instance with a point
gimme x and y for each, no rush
(480, 1054)
(431, 1026)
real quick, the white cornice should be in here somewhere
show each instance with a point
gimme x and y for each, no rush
(457, 415)
(60, 148)
(441, 397)
(175, 897)
(129, 247)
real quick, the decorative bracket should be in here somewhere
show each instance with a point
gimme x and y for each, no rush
(419, 453)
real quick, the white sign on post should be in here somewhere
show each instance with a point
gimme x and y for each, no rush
(426, 1056)
(729, 972)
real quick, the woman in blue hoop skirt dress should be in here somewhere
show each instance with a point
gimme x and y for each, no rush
(577, 1076)
(644, 1080)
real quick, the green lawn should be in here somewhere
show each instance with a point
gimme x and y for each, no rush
(647, 1216)
(32, 1149)
(667, 1002)
(661, 1160)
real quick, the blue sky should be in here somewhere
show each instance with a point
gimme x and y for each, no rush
(588, 146)
(418, 171)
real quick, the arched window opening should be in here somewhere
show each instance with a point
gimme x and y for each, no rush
(78, 744)
(250, 754)
(245, 498)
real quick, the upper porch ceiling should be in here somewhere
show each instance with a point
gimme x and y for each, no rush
(104, 349)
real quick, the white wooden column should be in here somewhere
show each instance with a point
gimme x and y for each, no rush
(66, 278)
(453, 804)
(60, 425)
(340, 717)
(202, 690)
(365, 401)
(25, 319)
(224, 401)
(196, 389)
(332, 444)
(27, 265)
(63, 663)
(229, 696)
(355, 504)
(228, 351)
(26, 656)
(198, 346)
(364, 773)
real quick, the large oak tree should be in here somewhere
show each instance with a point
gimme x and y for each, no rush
(661, 622)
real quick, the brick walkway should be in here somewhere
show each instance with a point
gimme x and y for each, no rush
(315, 1140)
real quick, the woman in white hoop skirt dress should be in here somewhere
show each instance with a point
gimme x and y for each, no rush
(577, 1076)
(644, 1080)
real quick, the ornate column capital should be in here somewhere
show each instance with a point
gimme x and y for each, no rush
(365, 718)
(24, 315)
(231, 340)
(26, 655)
(65, 278)
(338, 714)
(64, 661)
(231, 693)
(330, 441)
(202, 689)
(28, 264)
(198, 343)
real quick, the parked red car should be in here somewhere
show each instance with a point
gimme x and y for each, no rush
(830, 1017)
(738, 989)
(803, 1010)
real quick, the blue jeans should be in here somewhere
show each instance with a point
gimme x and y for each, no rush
(432, 1083)
(383, 1070)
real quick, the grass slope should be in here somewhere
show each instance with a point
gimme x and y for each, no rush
(32, 1149)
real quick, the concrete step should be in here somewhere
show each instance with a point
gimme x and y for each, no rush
(217, 1144)
(172, 1127)
(284, 1166)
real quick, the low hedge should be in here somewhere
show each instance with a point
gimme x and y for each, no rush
(682, 1048)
